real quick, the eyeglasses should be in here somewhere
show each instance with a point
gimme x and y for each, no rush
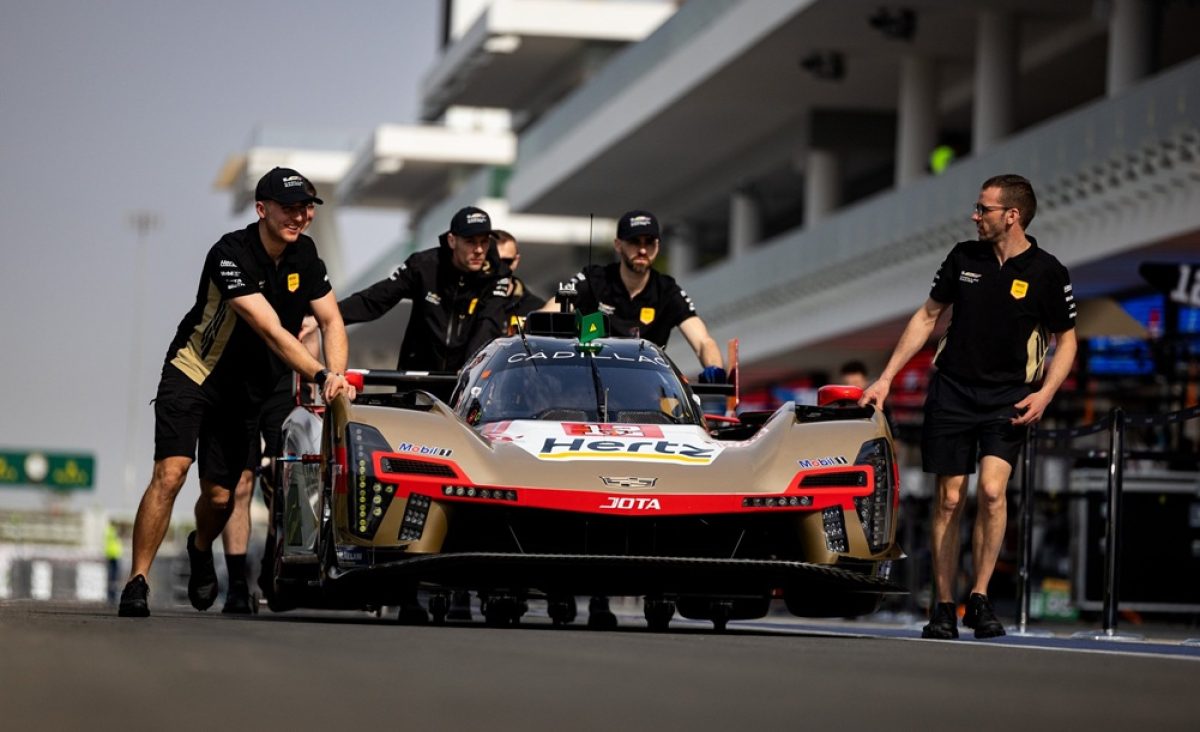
(981, 210)
(508, 260)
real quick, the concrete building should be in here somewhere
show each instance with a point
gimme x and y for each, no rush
(785, 146)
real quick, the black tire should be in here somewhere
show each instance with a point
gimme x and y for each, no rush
(561, 610)
(439, 607)
(503, 611)
(659, 614)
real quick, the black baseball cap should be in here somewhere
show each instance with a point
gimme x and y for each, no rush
(471, 221)
(286, 186)
(633, 224)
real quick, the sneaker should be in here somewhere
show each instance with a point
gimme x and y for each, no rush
(600, 616)
(982, 617)
(135, 599)
(460, 605)
(943, 622)
(237, 600)
(202, 583)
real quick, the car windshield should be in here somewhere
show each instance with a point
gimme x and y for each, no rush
(569, 391)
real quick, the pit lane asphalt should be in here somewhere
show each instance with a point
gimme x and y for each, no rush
(78, 667)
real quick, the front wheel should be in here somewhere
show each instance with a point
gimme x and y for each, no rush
(503, 610)
(439, 607)
(659, 614)
(561, 609)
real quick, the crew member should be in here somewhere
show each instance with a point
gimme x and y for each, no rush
(235, 537)
(639, 301)
(853, 373)
(521, 301)
(1008, 296)
(254, 289)
(458, 290)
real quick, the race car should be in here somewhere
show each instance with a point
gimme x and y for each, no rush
(557, 464)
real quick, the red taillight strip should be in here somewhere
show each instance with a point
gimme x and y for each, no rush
(895, 484)
(647, 504)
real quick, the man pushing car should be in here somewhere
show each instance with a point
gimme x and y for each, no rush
(256, 285)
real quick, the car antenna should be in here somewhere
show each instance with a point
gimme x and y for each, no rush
(524, 340)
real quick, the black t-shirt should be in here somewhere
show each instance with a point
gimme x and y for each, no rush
(1002, 317)
(454, 313)
(659, 307)
(216, 348)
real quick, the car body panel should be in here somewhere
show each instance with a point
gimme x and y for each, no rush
(483, 491)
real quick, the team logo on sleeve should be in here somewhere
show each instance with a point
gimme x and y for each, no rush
(646, 316)
(293, 282)
(230, 277)
(1019, 289)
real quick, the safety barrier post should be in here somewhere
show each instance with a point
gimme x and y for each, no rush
(1025, 525)
(1026, 529)
(1112, 531)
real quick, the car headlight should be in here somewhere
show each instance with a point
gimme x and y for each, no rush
(875, 510)
(369, 497)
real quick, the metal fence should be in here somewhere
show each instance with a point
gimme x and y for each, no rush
(1115, 423)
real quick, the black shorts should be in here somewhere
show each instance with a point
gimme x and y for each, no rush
(270, 421)
(963, 422)
(186, 413)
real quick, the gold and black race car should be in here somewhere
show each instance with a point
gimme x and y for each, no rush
(555, 465)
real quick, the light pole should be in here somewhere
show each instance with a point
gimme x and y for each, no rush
(142, 223)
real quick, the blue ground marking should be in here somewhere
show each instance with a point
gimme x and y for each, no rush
(1151, 647)
(912, 631)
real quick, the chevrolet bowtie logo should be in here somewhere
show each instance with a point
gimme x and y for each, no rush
(628, 482)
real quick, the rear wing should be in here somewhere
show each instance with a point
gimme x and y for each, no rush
(359, 378)
(439, 383)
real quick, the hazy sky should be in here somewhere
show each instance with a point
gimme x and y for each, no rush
(115, 107)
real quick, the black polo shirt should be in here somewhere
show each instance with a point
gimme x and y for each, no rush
(454, 313)
(659, 307)
(1003, 315)
(216, 348)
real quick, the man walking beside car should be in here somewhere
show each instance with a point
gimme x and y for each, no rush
(1006, 296)
(254, 289)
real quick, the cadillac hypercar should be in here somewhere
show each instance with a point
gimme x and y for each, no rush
(554, 465)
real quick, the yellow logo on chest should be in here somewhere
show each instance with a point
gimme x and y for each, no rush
(293, 282)
(646, 316)
(1019, 288)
